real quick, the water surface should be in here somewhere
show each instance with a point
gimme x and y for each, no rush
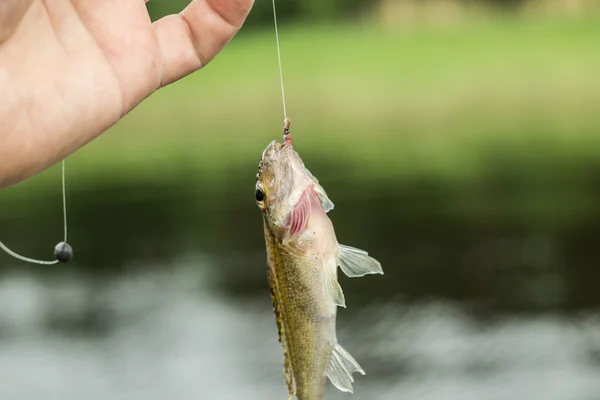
(167, 334)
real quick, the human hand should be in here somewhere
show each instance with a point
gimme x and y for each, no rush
(70, 69)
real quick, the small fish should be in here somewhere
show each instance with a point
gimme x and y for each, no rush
(303, 255)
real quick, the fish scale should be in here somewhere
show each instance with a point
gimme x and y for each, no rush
(306, 321)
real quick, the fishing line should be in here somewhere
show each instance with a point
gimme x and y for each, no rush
(63, 251)
(279, 58)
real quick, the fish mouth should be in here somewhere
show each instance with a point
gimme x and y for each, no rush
(274, 151)
(271, 149)
(269, 155)
(275, 146)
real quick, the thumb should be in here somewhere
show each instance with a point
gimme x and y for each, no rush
(191, 39)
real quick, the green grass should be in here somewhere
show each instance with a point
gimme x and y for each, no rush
(446, 104)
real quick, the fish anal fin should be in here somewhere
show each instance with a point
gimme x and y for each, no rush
(341, 367)
(355, 262)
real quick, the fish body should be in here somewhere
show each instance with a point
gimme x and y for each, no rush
(303, 256)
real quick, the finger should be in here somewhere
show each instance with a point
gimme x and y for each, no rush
(123, 32)
(193, 38)
(11, 14)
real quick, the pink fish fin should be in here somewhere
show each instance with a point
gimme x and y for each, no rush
(301, 213)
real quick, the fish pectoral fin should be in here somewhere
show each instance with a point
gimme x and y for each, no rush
(341, 367)
(355, 262)
(333, 290)
(326, 202)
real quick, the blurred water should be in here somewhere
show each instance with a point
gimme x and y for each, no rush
(167, 334)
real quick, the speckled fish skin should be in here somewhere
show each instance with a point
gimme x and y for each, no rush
(307, 321)
(303, 255)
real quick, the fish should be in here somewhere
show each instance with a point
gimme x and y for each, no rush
(303, 256)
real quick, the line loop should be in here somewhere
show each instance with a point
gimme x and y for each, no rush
(33, 260)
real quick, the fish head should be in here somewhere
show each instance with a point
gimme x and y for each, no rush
(281, 181)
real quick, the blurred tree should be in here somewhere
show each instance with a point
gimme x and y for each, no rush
(262, 13)
(160, 8)
(315, 10)
(507, 4)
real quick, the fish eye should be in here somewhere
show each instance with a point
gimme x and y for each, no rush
(260, 196)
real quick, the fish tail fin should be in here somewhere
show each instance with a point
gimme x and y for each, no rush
(341, 367)
(355, 262)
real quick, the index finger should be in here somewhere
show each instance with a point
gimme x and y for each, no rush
(194, 37)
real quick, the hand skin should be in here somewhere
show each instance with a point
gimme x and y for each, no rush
(70, 69)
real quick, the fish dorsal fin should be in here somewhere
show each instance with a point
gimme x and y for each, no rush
(341, 367)
(355, 262)
(333, 290)
(277, 308)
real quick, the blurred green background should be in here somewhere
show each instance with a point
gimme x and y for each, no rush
(460, 143)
